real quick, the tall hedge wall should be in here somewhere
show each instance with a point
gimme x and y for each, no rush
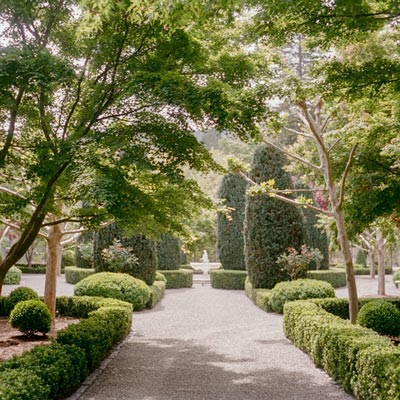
(143, 248)
(168, 253)
(271, 225)
(230, 241)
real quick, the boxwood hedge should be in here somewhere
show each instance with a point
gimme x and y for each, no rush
(228, 279)
(74, 274)
(176, 279)
(336, 277)
(360, 360)
(54, 371)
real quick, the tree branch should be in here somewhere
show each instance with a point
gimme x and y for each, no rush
(292, 155)
(286, 199)
(345, 174)
(11, 192)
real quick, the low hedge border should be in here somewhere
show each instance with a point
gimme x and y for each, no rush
(36, 269)
(54, 371)
(74, 274)
(360, 360)
(361, 270)
(157, 290)
(177, 279)
(336, 277)
(227, 279)
(260, 297)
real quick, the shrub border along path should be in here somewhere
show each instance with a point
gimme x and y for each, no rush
(53, 371)
(203, 343)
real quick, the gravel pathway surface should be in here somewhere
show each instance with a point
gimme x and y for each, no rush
(207, 344)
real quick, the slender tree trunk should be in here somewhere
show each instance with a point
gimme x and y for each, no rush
(380, 245)
(350, 277)
(54, 254)
(371, 254)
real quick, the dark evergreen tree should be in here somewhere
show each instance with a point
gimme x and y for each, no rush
(84, 250)
(143, 248)
(271, 226)
(168, 253)
(314, 237)
(230, 241)
(361, 258)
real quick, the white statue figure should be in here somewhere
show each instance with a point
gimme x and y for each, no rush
(204, 257)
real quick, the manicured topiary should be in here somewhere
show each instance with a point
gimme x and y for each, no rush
(68, 258)
(299, 289)
(160, 277)
(227, 279)
(13, 276)
(168, 253)
(115, 285)
(177, 279)
(230, 241)
(361, 258)
(380, 316)
(84, 250)
(141, 247)
(31, 316)
(20, 294)
(271, 226)
(74, 275)
(314, 237)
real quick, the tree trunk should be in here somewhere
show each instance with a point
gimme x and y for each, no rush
(371, 254)
(350, 277)
(380, 245)
(54, 254)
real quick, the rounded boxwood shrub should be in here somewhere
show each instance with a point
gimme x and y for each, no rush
(115, 285)
(381, 316)
(20, 294)
(13, 276)
(31, 316)
(299, 289)
(160, 277)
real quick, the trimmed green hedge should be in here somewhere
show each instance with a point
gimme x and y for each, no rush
(227, 279)
(33, 270)
(117, 286)
(13, 276)
(359, 359)
(260, 297)
(157, 291)
(176, 279)
(55, 371)
(361, 270)
(74, 274)
(336, 277)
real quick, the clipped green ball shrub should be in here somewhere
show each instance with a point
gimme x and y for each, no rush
(20, 294)
(31, 316)
(13, 276)
(380, 316)
(115, 285)
(299, 289)
(160, 277)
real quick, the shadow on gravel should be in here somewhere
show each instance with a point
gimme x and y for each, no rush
(172, 369)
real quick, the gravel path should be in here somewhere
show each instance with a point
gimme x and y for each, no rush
(206, 344)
